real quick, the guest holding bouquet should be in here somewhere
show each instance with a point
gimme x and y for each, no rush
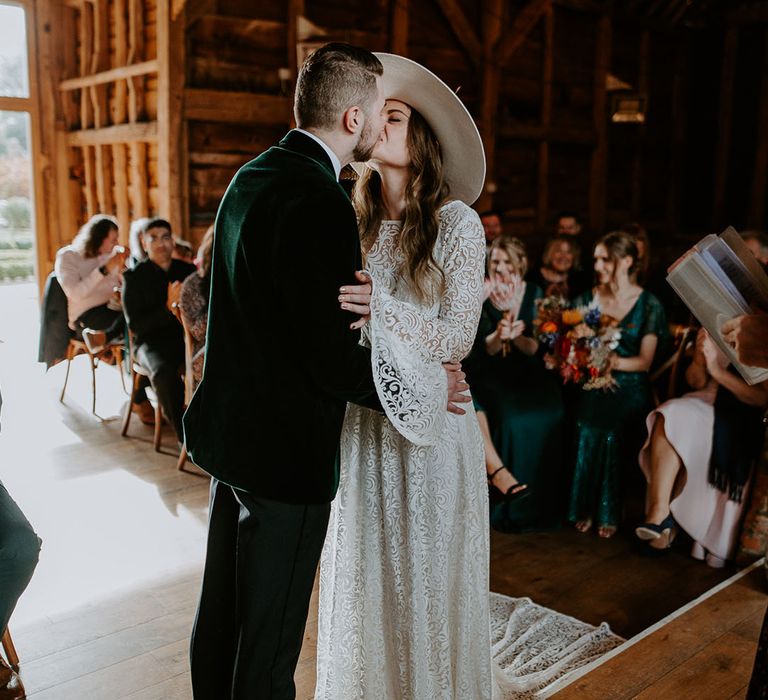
(520, 399)
(610, 422)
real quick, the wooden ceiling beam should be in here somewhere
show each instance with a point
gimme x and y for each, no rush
(123, 133)
(463, 30)
(522, 26)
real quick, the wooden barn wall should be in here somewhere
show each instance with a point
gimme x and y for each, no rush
(192, 89)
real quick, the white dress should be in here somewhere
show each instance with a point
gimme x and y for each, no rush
(404, 608)
(405, 611)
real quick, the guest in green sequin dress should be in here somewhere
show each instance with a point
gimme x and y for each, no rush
(519, 397)
(610, 425)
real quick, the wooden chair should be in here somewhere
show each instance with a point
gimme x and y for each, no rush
(78, 347)
(684, 338)
(189, 378)
(10, 650)
(141, 375)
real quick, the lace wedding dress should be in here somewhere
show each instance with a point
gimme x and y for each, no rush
(404, 591)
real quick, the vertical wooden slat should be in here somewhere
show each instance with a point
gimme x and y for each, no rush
(723, 147)
(139, 186)
(120, 109)
(637, 161)
(89, 188)
(68, 57)
(172, 156)
(295, 10)
(398, 37)
(757, 210)
(135, 55)
(86, 53)
(489, 93)
(677, 155)
(599, 161)
(542, 204)
(122, 205)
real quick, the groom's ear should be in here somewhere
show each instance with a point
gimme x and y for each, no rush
(353, 119)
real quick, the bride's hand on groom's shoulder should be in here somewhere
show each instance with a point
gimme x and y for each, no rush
(357, 299)
(457, 388)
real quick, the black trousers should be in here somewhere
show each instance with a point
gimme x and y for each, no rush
(19, 552)
(102, 318)
(259, 572)
(163, 357)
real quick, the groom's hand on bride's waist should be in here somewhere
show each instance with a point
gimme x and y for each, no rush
(357, 299)
(458, 389)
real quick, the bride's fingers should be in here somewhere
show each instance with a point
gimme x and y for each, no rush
(360, 309)
(356, 298)
(357, 325)
(455, 409)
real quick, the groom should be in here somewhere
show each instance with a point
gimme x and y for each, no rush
(280, 365)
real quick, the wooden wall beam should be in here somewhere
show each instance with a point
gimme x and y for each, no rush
(757, 209)
(463, 30)
(552, 134)
(236, 107)
(522, 25)
(139, 179)
(398, 23)
(677, 155)
(723, 146)
(542, 204)
(637, 161)
(121, 133)
(172, 142)
(110, 76)
(135, 84)
(86, 51)
(296, 9)
(599, 160)
(493, 15)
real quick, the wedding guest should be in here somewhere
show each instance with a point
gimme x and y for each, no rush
(558, 274)
(491, 220)
(643, 243)
(757, 242)
(699, 456)
(19, 553)
(149, 291)
(88, 271)
(609, 424)
(134, 242)
(568, 224)
(193, 301)
(521, 399)
(182, 250)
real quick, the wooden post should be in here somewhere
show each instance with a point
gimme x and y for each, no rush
(723, 147)
(637, 162)
(86, 51)
(599, 162)
(489, 94)
(678, 135)
(135, 53)
(542, 204)
(398, 33)
(760, 176)
(172, 147)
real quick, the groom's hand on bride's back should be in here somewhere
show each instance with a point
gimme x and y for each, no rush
(357, 299)
(457, 388)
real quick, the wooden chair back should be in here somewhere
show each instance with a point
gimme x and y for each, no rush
(684, 338)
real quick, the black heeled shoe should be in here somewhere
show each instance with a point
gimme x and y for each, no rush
(516, 492)
(651, 531)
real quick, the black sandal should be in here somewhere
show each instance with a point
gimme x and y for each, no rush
(516, 492)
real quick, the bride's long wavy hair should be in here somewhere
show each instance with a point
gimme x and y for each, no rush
(425, 193)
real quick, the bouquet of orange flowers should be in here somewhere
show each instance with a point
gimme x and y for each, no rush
(578, 342)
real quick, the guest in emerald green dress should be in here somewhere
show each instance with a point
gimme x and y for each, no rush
(610, 424)
(519, 402)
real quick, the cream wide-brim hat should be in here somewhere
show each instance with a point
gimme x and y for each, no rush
(460, 142)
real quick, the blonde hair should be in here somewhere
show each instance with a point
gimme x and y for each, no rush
(573, 246)
(515, 250)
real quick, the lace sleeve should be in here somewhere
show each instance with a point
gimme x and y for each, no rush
(409, 346)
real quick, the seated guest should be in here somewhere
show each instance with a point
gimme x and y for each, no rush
(521, 400)
(559, 273)
(194, 303)
(699, 455)
(149, 291)
(609, 424)
(88, 271)
(182, 250)
(568, 224)
(134, 242)
(491, 221)
(757, 242)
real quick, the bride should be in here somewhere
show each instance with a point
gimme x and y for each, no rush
(404, 605)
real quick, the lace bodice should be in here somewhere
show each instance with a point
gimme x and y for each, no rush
(410, 339)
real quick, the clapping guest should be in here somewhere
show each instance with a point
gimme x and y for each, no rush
(699, 456)
(193, 301)
(609, 424)
(520, 400)
(88, 271)
(559, 273)
(149, 291)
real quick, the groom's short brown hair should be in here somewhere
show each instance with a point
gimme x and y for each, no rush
(334, 78)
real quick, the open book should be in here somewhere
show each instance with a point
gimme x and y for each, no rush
(719, 279)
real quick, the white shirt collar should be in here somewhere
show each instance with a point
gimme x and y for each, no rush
(334, 158)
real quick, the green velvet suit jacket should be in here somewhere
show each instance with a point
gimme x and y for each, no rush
(281, 361)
